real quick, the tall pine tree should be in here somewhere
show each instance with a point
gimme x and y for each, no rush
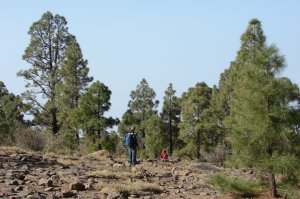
(75, 80)
(171, 116)
(195, 104)
(252, 40)
(49, 40)
(142, 114)
(261, 110)
(141, 106)
(89, 116)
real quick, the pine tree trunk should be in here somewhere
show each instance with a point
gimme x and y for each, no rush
(272, 184)
(76, 138)
(198, 145)
(54, 124)
(170, 136)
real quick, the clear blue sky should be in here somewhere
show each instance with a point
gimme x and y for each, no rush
(164, 41)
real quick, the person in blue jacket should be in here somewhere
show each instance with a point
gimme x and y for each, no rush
(132, 144)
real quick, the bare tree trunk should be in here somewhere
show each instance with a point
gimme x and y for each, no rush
(272, 184)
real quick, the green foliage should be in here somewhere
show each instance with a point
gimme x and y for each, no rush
(3, 89)
(289, 189)
(92, 147)
(240, 187)
(11, 116)
(74, 82)
(69, 140)
(142, 100)
(261, 123)
(260, 113)
(128, 119)
(140, 108)
(155, 140)
(109, 142)
(252, 40)
(48, 41)
(90, 114)
(170, 114)
(193, 129)
(214, 119)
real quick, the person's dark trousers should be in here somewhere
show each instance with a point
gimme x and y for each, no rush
(132, 156)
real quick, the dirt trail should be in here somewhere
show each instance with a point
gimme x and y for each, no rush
(25, 175)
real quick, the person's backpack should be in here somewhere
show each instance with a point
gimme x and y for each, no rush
(129, 140)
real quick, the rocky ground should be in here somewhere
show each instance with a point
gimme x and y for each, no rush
(98, 175)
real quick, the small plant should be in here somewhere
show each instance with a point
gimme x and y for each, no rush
(288, 189)
(103, 174)
(238, 186)
(131, 187)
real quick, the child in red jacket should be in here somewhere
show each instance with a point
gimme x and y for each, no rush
(164, 155)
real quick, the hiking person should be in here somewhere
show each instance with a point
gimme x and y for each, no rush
(131, 143)
(164, 155)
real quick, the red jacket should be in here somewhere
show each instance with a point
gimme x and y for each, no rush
(164, 155)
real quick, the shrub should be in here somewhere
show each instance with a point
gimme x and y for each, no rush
(121, 150)
(29, 138)
(56, 144)
(218, 156)
(238, 186)
(289, 188)
(110, 142)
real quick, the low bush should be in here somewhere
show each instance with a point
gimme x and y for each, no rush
(29, 138)
(218, 156)
(131, 187)
(289, 188)
(238, 186)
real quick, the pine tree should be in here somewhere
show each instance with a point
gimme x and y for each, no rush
(252, 40)
(75, 80)
(89, 115)
(260, 119)
(11, 114)
(141, 106)
(143, 101)
(155, 140)
(195, 104)
(49, 40)
(171, 115)
(214, 121)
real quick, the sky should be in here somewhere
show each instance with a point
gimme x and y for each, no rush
(163, 41)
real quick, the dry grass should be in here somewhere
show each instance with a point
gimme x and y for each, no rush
(51, 154)
(131, 187)
(113, 175)
(99, 155)
(13, 150)
(67, 161)
(69, 178)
